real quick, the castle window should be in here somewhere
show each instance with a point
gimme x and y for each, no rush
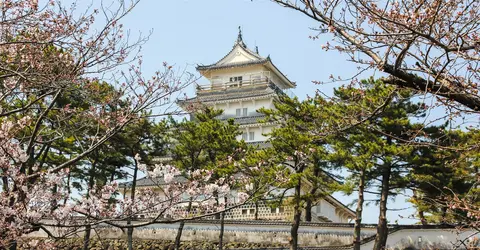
(238, 112)
(245, 136)
(251, 136)
(245, 111)
(237, 80)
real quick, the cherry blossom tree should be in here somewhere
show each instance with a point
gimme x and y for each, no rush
(64, 73)
(429, 46)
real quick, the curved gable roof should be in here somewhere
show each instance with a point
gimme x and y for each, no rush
(241, 56)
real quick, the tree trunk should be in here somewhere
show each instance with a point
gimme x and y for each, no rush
(358, 214)
(222, 228)
(88, 228)
(421, 214)
(308, 211)
(297, 213)
(256, 211)
(180, 228)
(86, 237)
(69, 191)
(132, 197)
(382, 229)
(313, 190)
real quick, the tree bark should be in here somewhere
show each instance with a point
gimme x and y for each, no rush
(86, 237)
(69, 191)
(308, 211)
(297, 213)
(132, 197)
(222, 228)
(421, 215)
(180, 228)
(313, 190)
(256, 211)
(382, 229)
(88, 228)
(358, 213)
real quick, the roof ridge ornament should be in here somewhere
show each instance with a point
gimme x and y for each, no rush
(240, 38)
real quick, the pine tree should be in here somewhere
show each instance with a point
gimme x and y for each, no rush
(205, 143)
(296, 148)
(439, 171)
(388, 133)
(147, 140)
(354, 148)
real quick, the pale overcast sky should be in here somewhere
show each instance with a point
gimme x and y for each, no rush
(186, 33)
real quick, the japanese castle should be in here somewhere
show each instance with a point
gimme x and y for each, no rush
(240, 83)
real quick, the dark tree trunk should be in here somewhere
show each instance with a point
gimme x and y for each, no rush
(180, 228)
(86, 237)
(256, 211)
(112, 176)
(179, 235)
(297, 213)
(313, 190)
(308, 211)
(88, 228)
(421, 215)
(13, 245)
(358, 214)
(5, 183)
(68, 188)
(222, 228)
(132, 197)
(382, 229)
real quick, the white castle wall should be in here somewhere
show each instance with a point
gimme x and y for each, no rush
(427, 239)
(435, 238)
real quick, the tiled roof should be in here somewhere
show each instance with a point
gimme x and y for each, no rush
(233, 65)
(243, 64)
(245, 119)
(238, 43)
(260, 144)
(258, 60)
(230, 94)
(332, 200)
(147, 181)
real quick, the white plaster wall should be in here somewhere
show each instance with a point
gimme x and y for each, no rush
(312, 236)
(267, 129)
(436, 238)
(326, 209)
(245, 72)
(263, 103)
(276, 80)
(259, 136)
(250, 235)
(251, 105)
(238, 54)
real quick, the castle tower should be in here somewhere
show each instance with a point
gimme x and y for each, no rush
(240, 83)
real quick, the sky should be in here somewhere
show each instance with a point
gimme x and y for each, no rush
(187, 33)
